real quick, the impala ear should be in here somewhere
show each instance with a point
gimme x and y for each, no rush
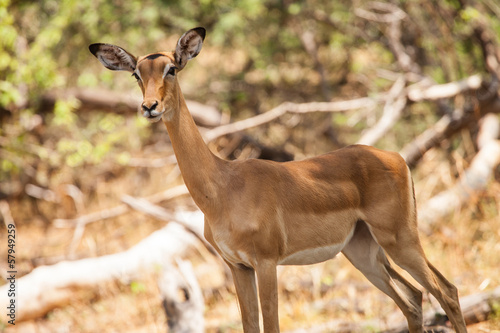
(113, 57)
(188, 46)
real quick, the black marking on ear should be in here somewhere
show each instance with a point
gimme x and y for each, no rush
(93, 48)
(201, 31)
(154, 56)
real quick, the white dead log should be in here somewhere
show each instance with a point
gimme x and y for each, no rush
(474, 180)
(283, 108)
(182, 298)
(48, 287)
(490, 130)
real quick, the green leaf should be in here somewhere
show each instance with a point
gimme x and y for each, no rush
(137, 287)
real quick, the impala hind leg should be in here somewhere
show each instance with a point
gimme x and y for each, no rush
(244, 281)
(407, 252)
(369, 258)
(432, 280)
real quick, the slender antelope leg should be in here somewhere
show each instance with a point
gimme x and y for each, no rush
(244, 281)
(405, 249)
(368, 257)
(431, 279)
(268, 293)
(451, 298)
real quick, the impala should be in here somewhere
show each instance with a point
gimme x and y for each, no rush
(358, 200)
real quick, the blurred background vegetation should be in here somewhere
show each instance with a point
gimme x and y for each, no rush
(257, 54)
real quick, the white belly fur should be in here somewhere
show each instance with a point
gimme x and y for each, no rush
(315, 255)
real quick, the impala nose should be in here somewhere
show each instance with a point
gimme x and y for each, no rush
(149, 108)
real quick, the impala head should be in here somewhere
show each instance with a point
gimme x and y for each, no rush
(155, 73)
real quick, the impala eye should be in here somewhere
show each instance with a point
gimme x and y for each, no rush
(136, 76)
(171, 70)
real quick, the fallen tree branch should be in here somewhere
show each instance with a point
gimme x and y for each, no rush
(478, 307)
(446, 127)
(291, 108)
(475, 179)
(120, 209)
(443, 128)
(395, 100)
(446, 90)
(48, 287)
(98, 99)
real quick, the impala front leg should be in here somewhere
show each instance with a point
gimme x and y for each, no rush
(244, 281)
(268, 293)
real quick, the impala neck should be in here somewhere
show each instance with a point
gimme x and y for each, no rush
(200, 168)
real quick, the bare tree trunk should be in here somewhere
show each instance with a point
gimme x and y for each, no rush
(182, 298)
